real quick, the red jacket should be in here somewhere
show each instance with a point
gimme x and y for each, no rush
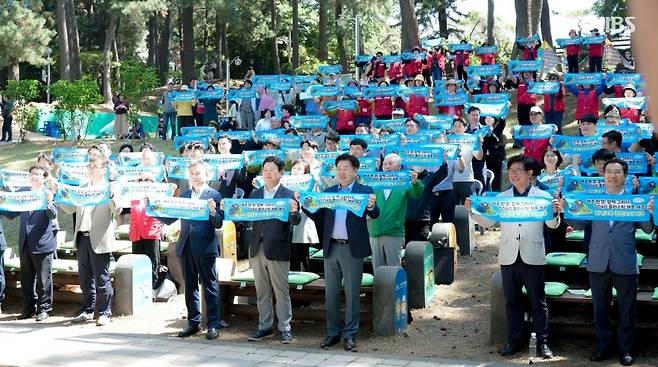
(417, 104)
(345, 120)
(383, 106)
(462, 54)
(534, 148)
(596, 50)
(530, 53)
(412, 68)
(142, 226)
(487, 59)
(365, 108)
(558, 102)
(378, 70)
(395, 71)
(437, 59)
(632, 114)
(573, 50)
(587, 103)
(452, 110)
(522, 95)
(619, 91)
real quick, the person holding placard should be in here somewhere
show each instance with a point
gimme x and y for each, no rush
(464, 176)
(522, 256)
(345, 243)
(94, 239)
(612, 261)
(595, 54)
(36, 247)
(573, 53)
(587, 99)
(197, 249)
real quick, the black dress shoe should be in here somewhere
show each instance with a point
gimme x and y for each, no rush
(330, 341)
(190, 330)
(545, 351)
(349, 344)
(626, 359)
(212, 333)
(510, 349)
(600, 354)
(26, 315)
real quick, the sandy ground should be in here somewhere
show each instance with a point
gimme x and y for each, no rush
(456, 325)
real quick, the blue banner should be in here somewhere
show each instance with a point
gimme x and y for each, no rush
(564, 42)
(251, 210)
(309, 122)
(447, 100)
(70, 155)
(434, 42)
(499, 110)
(483, 70)
(23, 201)
(235, 134)
(420, 156)
(409, 56)
(518, 66)
(188, 139)
(329, 69)
(287, 141)
(385, 180)
(184, 96)
(418, 139)
(383, 91)
(197, 130)
(637, 162)
(638, 103)
(299, 183)
(544, 87)
(630, 133)
(329, 155)
(124, 173)
(224, 162)
(238, 94)
(453, 47)
(555, 181)
(345, 104)
(416, 90)
(356, 203)
(592, 40)
(389, 59)
(435, 122)
(589, 185)
(484, 50)
(13, 180)
(513, 209)
(523, 40)
(352, 91)
(128, 191)
(491, 98)
(73, 173)
(473, 83)
(135, 158)
(282, 86)
(622, 208)
(542, 131)
(212, 94)
(367, 164)
(646, 130)
(256, 157)
(576, 144)
(648, 186)
(467, 141)
(328, 168)
(622, 79)
(177, 169)
(175, 207)
(382, 141)
(82, 196)
(397, 125)
(440, 85)
(363, 58)
(583, 78)
(266, 80)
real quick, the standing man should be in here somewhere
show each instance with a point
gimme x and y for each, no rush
(269, 255)
(247, 109)
(197, 249)
(94, 239)
(387, 231)
(169, 111)
(36, 248)
(612, 261)
(522, 257)
(345, 243)
(7, 118)
(231, 178)
(184, 111)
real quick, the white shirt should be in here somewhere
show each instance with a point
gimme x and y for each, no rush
(263, 124)
(467, 174)
(85, 218)
(270, 194)
(197, 194)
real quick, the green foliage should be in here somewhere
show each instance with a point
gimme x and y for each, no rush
(24, 36)
(75, 102)
(23, 91)
(27, 117)
(610, 8)
(136, 81)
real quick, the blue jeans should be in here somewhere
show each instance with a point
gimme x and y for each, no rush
(437, 74)
(168, 117)
(555, 118)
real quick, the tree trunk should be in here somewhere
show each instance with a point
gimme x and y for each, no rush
(409, 29)
(220, 27)
(14, 70)
(323, 48)
(490, 22)
(63, 41)
(187, 58)
(546, 34)
(204, 52)
(522, 23)
(74, 41)
(152, 41)
(275, 46)
(535, 15)
(107, 56)
(340, 37)
(163, 49)
(443, 20)
(294, 34)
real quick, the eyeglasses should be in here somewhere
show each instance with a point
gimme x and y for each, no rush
(194, 146)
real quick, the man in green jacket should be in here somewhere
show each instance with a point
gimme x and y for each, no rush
(387, 231)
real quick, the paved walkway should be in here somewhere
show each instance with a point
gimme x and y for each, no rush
(25, 343)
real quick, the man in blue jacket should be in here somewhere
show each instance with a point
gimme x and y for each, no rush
(36, 248)
(345, 242)
(197, 249)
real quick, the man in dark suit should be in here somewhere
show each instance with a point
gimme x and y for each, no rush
(36, 248)
(228, 179)
(345, 242)
(197, 249)
(269, 255)
(612, 261)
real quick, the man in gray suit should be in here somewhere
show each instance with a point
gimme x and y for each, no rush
(94, 239)
(522, 256)
(612, 261)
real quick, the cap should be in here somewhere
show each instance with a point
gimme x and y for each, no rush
(536, 109)
(451, 81)
(613, 113)
(594, 30)
(184, 87)
(631, 87)
(419, 77)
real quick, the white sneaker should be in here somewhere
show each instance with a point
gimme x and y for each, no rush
(83, 317)
(103, 320)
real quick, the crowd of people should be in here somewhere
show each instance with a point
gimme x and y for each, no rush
(383, 118)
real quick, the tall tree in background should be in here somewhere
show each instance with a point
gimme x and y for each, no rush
(323, 39)
(443, 19)
(490, 22)
(110, 33)
(73, 40)
(340, 37)
(187, 57)
(546, 34)
(275, 33)
(535, 15)
(63, 40)
(294, 34)
(522, 23)
(163, 49)
(409, 36)
(220, 33)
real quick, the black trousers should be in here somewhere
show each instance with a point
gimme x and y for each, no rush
(201, 268)
(299, 257)
(2, 277)
(626, 285)
(6, 127)
(95, 281)
(516, 276)
(36, 281)
(461, 73)
(442, 207)
(150, 248)
(184, 121)
(416, 230)
(572, 62)
(595, 64)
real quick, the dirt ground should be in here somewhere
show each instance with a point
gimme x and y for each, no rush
(456, 325)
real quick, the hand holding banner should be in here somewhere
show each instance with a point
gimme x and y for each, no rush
(621, 208)
(564, 42)
(82, 195)
(638, 103)
(513, 209)
(483, 70)
(256, 209)
(583, 78)
(128, 191)
(451, 100)
(435, 122)
(518, 66)
(23, 201)
(466, 141)
(238, 94)
(420, 156)
(491, 98)
(309, 122)
(454, 47)
(356, 203)
(224, 162)
(544, 87)
(179, 208)
(386, 180)
(525, 40)
(499, 110)
(235, 135)
(541, 131)
(576, 144)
